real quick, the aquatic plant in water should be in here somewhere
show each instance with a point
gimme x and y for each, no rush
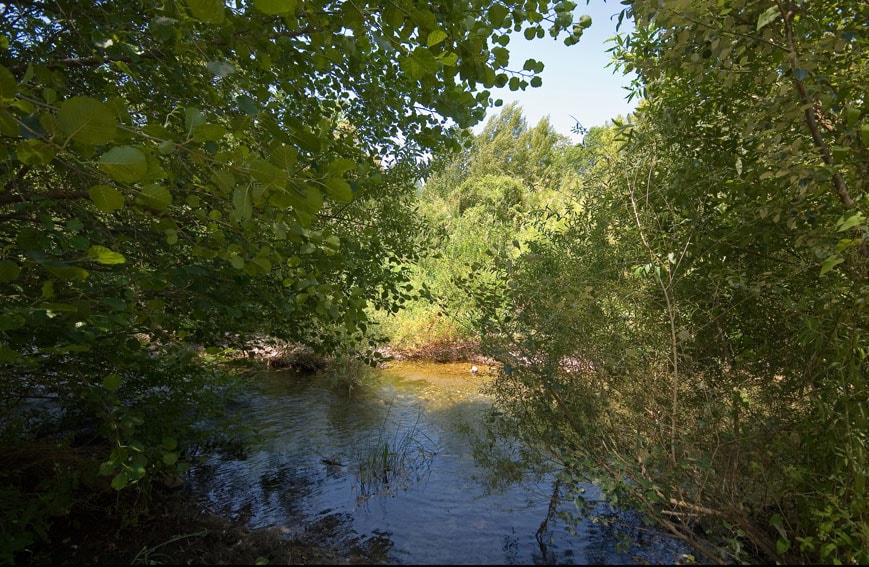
(394, 459)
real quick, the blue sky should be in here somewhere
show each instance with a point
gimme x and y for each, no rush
(576, 80)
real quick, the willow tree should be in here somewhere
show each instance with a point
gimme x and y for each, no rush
(194, 172)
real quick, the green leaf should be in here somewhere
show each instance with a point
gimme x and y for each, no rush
(66, 272)
(8, 84)
(412, 67)
(156, 196)
(339, 190)
(224, 180)
(448, 58)
(208, 132)
(170, 458)
(87, 120)
(236, 261)
(265, 266)
(502, 56)
(767, 17)
(850, 222)
(9, 271)
(8, 124)
(275, 7)
(782, 546)
(220, 69)
(103, 255)
(241, 201)
(210, 11)
(11, 321)
(435, 37)
(112, 382)
(7, 354)
(313, 200)
(284, 157)
(332, 242)
(34, 152)
(247, 105)
(120, 481)
(421, 63)
(497, 13)
(106, 198)
(124, 163)
(830, 263)
(341, 166)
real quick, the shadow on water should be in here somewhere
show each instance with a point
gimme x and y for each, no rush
(387, 473)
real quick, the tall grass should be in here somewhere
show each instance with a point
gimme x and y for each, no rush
(394, 458)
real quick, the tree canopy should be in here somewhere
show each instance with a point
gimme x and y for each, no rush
(177, 175)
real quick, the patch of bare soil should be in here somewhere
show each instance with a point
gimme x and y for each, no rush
(439, 351)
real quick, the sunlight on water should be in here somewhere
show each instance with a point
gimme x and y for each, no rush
(386, 471)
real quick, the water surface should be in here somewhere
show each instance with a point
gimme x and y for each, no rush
(386, 471)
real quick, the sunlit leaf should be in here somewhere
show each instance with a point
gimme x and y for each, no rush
(103, 255)
(220, 69)
(769, 15)
(34, 152)
(275, 7)
(341, 165)
(851, 221)
(448, 58)
(211, 11)
(339, 190)
(106, 198)
(156, 196)
(830, 263)
(497, 13)
(124, 163)
(435, 37)
(87, 120)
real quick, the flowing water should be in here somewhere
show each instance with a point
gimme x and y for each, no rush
(385, 471)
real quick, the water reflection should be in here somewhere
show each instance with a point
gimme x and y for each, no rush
(387, 472)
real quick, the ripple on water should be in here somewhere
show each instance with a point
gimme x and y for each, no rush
(304, 473)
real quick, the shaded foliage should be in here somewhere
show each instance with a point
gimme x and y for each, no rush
(178, 179)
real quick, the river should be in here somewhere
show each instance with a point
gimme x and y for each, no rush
(386, 471)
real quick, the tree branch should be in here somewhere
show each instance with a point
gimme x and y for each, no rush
(6, 198)
(811, 118)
